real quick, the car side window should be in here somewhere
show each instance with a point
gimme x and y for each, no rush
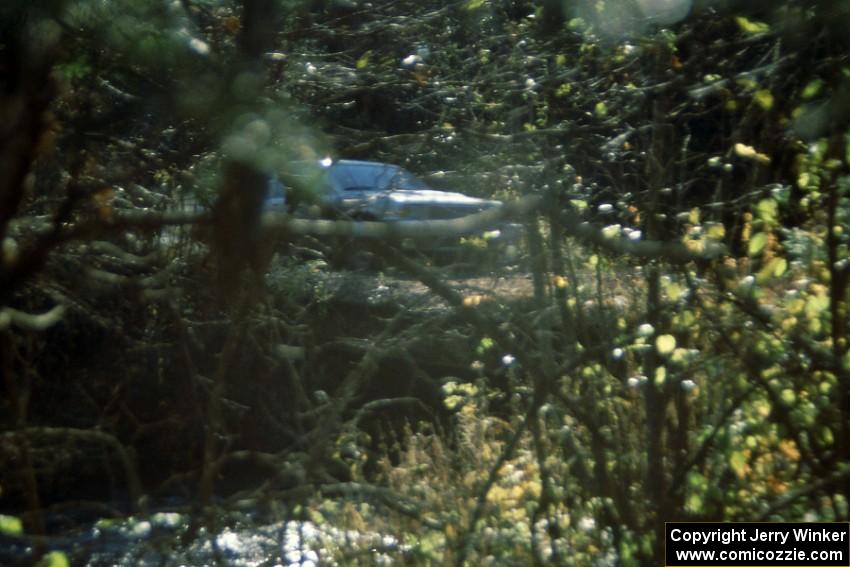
(362, 178)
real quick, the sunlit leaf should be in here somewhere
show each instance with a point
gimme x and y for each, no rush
(762, 407)
(715, 231)
(768, 210)
(750, 26)
(363, 62)
(11, 525)
(660, 375)
(750, 153)
(674, 290)
(694, 504)
(816, 304)
(788, 448)
(812, 89)
(764, 99)
(693, 215)
(486, 344)
(756, 243)
(788, 396)
(612, 231)
(806, 180)
(665, 344)
(55, 559)
(475, 4)
(601, 109)
(738, 462)
(773, 269)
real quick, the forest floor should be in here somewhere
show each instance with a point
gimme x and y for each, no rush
(380, 288)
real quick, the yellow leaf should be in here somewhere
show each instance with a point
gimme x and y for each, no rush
(716, 231)
(789, 449)
(11, 525)
(601, 109)
(665, 344)
(768, 210)
(55, 559)
(757, 243)
(812, 89)
(749, 152)
(764, 98)
(773, 269)
(363, 62)
(693, 216)
(750, 26)
(738, 462)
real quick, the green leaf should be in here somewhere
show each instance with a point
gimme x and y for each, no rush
(773, 269)
(55, 559)
(750, 26)
(475, 4)
(812, 89)
(694, 504)
(788, 396)
(601, 109)
(756, 243)
(363, 62)
(715, 230)
(564, 90)
(816, 305)
(768, 210)
(738, 462)
(486, 344)
(693, 216)
(673, 290)
(11, 525)
(764, 98)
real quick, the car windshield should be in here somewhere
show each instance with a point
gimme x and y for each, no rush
(377, 177)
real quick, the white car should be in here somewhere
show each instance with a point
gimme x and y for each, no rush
(366, 190)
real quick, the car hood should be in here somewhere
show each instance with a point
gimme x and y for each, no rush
(407, 197)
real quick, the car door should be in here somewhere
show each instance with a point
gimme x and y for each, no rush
(358, 187)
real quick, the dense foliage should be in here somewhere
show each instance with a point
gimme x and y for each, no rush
(181, 371)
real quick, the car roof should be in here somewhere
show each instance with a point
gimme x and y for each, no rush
(358, 162)
(362, 163)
